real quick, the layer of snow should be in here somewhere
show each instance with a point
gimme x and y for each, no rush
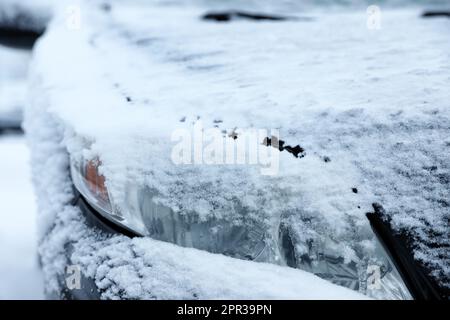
(148, 269)
(20, 276)
(381, 120)
(374, 102)
(141, 268)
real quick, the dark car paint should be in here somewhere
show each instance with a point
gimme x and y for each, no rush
(8, 129)
(415, 275)
(18, 39)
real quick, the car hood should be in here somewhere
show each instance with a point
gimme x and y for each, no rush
(372, 121)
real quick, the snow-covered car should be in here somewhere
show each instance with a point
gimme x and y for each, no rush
(19, 29)
(207, 150)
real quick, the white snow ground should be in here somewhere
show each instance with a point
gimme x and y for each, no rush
(20, 277)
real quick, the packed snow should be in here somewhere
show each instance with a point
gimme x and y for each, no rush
(373, 103)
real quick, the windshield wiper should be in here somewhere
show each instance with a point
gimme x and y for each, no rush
(433, 14)
(225, 16)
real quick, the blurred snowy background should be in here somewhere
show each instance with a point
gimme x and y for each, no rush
(20, 276)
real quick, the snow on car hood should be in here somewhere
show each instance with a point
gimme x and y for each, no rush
(370, 108)
(141, 268)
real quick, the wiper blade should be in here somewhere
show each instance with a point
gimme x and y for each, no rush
(433, 14)
(225, 16)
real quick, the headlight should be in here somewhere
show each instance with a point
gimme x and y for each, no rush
(374, 274)
(248, 239)
(91, 184)
(244, 240)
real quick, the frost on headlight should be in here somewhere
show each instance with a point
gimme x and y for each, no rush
(244, 240)
(370, 272)
(373, 273)
(142, 214)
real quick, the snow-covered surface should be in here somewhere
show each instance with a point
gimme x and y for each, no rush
(148, 269)
(374, 102)
(142, 268)
(20, 276)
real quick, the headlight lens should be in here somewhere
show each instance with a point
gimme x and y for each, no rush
(91, 184)
(245, 240)
(374, 274)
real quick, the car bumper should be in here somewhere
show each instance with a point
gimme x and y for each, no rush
(421, 286)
